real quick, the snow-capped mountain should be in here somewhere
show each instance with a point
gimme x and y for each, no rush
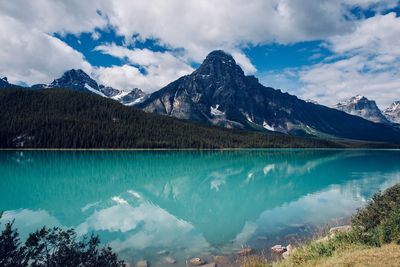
(363, 107)
(393, 112)
(5, 84)
(77, 79)
(130, 98)
(219, 93)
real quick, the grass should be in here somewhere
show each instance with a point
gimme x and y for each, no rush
(373, 241)
(385, 256)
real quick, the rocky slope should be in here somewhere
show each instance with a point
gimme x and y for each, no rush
(362, 107)
(392, 113)
(219, 93)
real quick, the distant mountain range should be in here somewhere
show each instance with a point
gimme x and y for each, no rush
(367, 109)
(393, 112)
(80, 81)
(219, 93)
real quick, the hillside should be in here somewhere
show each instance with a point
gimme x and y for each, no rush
(58, 118)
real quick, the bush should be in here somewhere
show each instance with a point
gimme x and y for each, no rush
(389, 230)
(379, 209)
(53, 247)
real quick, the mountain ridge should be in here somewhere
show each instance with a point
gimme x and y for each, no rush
(219, 93)
(77, 79)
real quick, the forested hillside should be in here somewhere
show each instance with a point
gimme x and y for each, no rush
(57, 118)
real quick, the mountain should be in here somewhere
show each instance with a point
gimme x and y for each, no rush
(64, 118)
(5, 84)
(362, 107)
(130, 98)
(78, 80)
(393, 112)
(219, 93)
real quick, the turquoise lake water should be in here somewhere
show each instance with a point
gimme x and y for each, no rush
(190, 203)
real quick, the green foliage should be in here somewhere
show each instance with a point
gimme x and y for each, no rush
(389, 230)
(56, 118)
(379, 209)
(11, 254)
(55, 248)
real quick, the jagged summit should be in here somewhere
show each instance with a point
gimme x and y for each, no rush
(4, 82)
(219, 63)
(76, 79)
(363, 107)
(393, 112)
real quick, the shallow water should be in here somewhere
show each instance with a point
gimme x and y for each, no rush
(190, 203)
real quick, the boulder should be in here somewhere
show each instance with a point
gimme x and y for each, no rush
(142, 264)
(196, 261)
(288, 251)
(279, 249)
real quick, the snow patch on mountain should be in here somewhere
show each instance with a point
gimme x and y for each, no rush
(91, 89)
(268, 127)
(215, 111)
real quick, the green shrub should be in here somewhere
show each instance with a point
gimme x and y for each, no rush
(378, 209)
(389, 230)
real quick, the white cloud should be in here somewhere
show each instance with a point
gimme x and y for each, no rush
(159, 68)
(32, 56)
(72, 16)
(243, 61)
(366, 62)
(201, 26)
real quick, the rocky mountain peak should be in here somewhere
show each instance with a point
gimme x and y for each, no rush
(219, 63)
(76, 79)
(4, 82)
(393, 112)
(363, 107)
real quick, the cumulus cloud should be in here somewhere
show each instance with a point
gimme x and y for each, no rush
(244, 62)
(73, 16)
(201, 26)
(366, 62)
(150, 71)
(32, 56)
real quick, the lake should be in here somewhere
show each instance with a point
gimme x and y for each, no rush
(191, 203)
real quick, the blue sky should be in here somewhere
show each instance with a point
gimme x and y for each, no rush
(321, 50)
